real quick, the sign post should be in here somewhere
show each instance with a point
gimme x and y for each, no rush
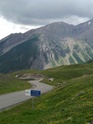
(35, 93)
(32, 93)
(32, 102)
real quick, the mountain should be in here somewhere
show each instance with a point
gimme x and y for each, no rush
(49, 46)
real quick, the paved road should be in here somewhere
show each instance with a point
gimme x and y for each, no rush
(12, 99)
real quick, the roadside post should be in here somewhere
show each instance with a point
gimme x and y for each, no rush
(32, 93)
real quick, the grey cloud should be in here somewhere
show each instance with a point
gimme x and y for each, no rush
(39, 12)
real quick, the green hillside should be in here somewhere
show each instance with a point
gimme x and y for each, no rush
(71, 102)
(64, 73)
(9, 83)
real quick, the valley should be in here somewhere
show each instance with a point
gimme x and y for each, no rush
(70, 102)
(46, 62)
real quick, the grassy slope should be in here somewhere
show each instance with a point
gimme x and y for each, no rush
(71, 102)
(10, 83)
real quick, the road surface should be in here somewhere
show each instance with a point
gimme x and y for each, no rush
(12, 99)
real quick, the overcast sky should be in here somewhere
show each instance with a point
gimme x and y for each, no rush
(22, 15)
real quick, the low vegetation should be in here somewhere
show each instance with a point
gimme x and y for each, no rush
(71, 102)
(10, 83)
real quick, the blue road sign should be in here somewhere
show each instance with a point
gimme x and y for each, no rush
(35, 93)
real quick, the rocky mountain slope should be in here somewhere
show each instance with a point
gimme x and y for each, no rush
(52, 45)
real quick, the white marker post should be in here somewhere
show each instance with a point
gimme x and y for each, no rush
(28, 92)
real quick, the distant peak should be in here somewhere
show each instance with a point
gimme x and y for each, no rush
(58, 23)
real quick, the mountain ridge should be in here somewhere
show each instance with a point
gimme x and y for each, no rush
(49, 46)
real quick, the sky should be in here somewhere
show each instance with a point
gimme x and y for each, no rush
(23, 15)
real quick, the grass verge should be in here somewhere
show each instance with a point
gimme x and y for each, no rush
(10, 83)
